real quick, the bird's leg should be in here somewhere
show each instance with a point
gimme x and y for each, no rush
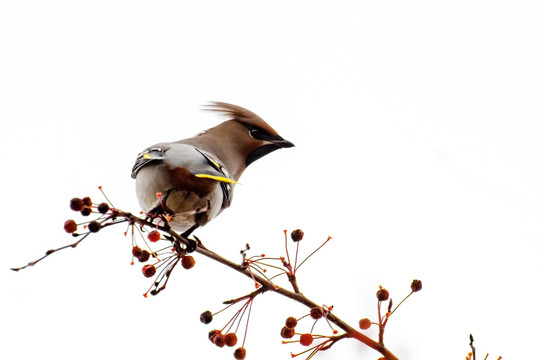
(192, 245)
(188, 232)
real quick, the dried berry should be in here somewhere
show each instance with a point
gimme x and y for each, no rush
(154, 236)
(291, 322)
(297, 235)
(231, 339)
(94, 226)
(219, 340)
(149, 270)
(416, 285)
(70, 226)
(86, 211)
(136, 251)
(365, 323)
(382, 294)
(306, 339)
(76, 204)
(87, 201)
(187, 261)
(206, 317)
(240, 353)
(287, 332)
(316, 312)
(145, 255)
(103, 208)
(212, 334)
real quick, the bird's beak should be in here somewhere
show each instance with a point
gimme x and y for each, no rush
(269, 146)
(282, 143)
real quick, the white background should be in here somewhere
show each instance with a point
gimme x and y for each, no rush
(419, 142)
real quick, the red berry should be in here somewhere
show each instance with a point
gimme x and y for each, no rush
(416, 285)
(86, 211)
(70, 226)
(144, 256)
(231, 339)
(187, 261)
(382, 294)
(103, 208)
(297, 235)
(219, 340)
(206, 317)
(136, 251)
(240, 353)
(87, 201)
(316, 312)
(154, 236)
(364, 323)
(149, 270)
(306, 339)
(291, 322)
(287, 332)
(94, 226)
(76, 204)
(212, 334)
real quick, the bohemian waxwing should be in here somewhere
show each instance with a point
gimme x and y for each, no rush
(192, 180)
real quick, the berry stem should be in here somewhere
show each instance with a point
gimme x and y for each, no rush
(313, 252)
(288, 264)
(247, 322)
(296, 258)
(411, 292)
(105, 197)
(381, 325)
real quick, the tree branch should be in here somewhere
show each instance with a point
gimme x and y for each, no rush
(116, 216)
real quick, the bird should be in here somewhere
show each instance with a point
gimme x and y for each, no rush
(191, 181)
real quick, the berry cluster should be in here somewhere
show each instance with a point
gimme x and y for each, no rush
(165, 259)
(257, 268)
(307, 338)
(162, 260)
(86, 207)
(383, 295)
(227, 335)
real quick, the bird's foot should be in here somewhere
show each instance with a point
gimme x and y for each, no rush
(191, 244)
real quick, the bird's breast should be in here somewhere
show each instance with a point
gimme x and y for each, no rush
(186, 198)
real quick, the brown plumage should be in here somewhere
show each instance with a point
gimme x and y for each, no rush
(196, 176)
